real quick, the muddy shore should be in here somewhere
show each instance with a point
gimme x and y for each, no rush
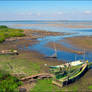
(81, 42)
(62, 48)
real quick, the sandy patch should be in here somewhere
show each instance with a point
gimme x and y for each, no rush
(81, 42)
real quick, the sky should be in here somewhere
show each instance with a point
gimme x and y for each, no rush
(45, 10)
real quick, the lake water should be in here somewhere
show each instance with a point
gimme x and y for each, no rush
(48, 26)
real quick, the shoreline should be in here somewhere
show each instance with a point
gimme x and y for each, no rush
(35, 34)
(55, 24)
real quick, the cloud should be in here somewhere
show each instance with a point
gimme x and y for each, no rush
(25, 13)
(38, 14)
(59, 13)
(29, 13)
(87, 12)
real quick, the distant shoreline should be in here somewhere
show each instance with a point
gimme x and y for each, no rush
(61, 24)
(47, 20)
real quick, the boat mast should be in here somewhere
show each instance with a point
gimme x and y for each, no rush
(75, 57)
(55, 48)
(84, 55)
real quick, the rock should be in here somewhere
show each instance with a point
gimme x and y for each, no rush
(22, 90)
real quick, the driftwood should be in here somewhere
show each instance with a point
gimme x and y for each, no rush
(79, 52)
(11, 52)
(33, 78)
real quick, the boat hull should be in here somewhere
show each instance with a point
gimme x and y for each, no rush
(75, 78)
(71, 80)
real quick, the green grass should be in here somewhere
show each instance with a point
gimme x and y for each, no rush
(3, 26)
(30, 67)
(90, 87)
(6, 32)
(19, 65)
(8, 83)
(44, 86)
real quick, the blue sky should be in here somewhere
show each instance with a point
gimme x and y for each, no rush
(45, 10)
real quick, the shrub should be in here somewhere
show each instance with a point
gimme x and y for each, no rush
(2, 38)
(8, 83)
(6, 32)
(3, 26)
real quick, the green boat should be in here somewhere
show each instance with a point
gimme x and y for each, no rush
(68, 75)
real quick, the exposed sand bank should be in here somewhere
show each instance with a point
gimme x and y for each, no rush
(41, 33)
(81, 42)
(61, 47)
(54, 24)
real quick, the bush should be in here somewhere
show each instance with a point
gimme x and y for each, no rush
(6, 32)
(2, 38)
(3, 26)
(8, 83)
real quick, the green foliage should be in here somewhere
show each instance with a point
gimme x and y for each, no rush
(3, 26)
(44, 86)
(90, 87)
(2, 38)
(8, 83)
(6, 32)
(20, 65)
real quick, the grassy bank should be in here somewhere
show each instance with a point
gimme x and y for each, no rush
(18, 65)
(24, 64)
(6, 32)
(47, 86)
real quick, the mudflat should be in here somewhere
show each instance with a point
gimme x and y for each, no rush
(59, 46)
(81, 42)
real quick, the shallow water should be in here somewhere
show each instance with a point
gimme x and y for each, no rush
(40, 47)
(61, 55)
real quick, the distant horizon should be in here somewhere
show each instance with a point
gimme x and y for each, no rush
(39, 20)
